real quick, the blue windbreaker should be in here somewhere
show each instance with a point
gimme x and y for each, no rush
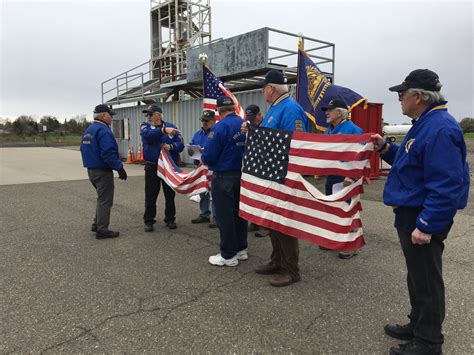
(99, 149)
(286, 114)
(225, 145)
(429, 170)
(153, 138)
(345, 127)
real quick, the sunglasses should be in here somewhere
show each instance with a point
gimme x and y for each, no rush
(204, 120)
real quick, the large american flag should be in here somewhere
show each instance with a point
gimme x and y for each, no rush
(214, 88)
(275, 195)
(188, 183)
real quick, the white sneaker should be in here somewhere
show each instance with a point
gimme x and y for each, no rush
(242, 255)
(218, 260)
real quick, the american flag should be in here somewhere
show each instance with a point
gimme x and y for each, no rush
(275, 195)
(188, 183)
(214, 88)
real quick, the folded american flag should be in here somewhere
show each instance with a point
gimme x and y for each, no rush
(213, 89)
(188, 183)
(275, 195)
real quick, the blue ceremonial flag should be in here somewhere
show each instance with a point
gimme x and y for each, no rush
(314, 91)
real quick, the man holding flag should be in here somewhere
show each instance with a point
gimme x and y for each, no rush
(286, 114)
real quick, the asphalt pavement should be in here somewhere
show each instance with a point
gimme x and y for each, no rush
(63, 291)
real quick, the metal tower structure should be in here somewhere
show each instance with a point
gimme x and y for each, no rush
(176, 25)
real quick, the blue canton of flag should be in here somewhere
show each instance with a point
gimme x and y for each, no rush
(213, 89)
(314, 91)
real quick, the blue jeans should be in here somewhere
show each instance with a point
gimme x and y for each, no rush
(232, 228)
(204, 209)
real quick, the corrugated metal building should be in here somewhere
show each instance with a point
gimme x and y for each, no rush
(185, 114)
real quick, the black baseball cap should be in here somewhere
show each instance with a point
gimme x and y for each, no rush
(104, 108)
(224, 101)
(335, 103)
(152, 108)
(252, 111)
(419, 79)
(208, 115)
(274, 77)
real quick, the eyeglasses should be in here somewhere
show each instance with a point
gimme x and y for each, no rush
(266, 86)
(401, 94)
(204, 120)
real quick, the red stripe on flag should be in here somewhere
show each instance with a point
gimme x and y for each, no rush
(312, 238)
(301, 201)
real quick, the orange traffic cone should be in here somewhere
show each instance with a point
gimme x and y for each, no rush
(130, 158)
(140, 153)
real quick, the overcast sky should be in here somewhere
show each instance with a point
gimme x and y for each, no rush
(55, 54)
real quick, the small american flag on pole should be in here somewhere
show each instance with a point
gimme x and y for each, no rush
(187, 183)
(275, 195)
(213, 89)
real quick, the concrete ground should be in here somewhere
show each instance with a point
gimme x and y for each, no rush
(63, 291)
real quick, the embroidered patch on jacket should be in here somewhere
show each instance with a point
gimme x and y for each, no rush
(211, 135)
(298, 125)
(408, 144)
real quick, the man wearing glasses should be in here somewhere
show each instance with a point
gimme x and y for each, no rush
(156, 134)
(208, 120)
(427, 184)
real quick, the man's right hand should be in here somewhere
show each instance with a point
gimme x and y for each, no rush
(190, 152)
(379, 141)
(122, 174)
(244, 128)
(171, 130)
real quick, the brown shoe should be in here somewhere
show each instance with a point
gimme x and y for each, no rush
(267, 269)
(347, 254)
(283, 280)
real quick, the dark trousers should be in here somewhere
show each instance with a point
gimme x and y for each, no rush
(424, 279)
(331, 180)
(103, 182)
(152, 189)
(232, 228)
(285, 253)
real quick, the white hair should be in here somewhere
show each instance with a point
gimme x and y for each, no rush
(344, 112)
(280, 88)
(430, 97)
(98, 115)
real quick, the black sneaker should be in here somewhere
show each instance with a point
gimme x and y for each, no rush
(200, 219)
(212, 225)
(416, 348)
(403, 332)
(94, 227)
(171, 225)
(148, 227)
(106, 234)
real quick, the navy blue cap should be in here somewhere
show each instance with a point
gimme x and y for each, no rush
(419, 79)
(335, 103)
(224, 101)
(208, 115)
(152, 108)
(252, 111)
(274, 77)
(104, 108)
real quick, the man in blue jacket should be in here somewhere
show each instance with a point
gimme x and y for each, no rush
(156, 134)
(223, 154)
(100, 156)
(337, 116)
(427, 184)
(208, 120)
(284, 113)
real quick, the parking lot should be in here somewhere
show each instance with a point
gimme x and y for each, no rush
(63, 291)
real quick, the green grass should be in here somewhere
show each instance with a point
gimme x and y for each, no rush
(51, 138)
(469, 135)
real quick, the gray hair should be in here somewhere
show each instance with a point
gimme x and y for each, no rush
(344, 112)
(280, 88)
(430, 97)
(98, 115)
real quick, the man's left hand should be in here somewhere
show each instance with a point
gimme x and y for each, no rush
(418, 237)
(167, 147)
